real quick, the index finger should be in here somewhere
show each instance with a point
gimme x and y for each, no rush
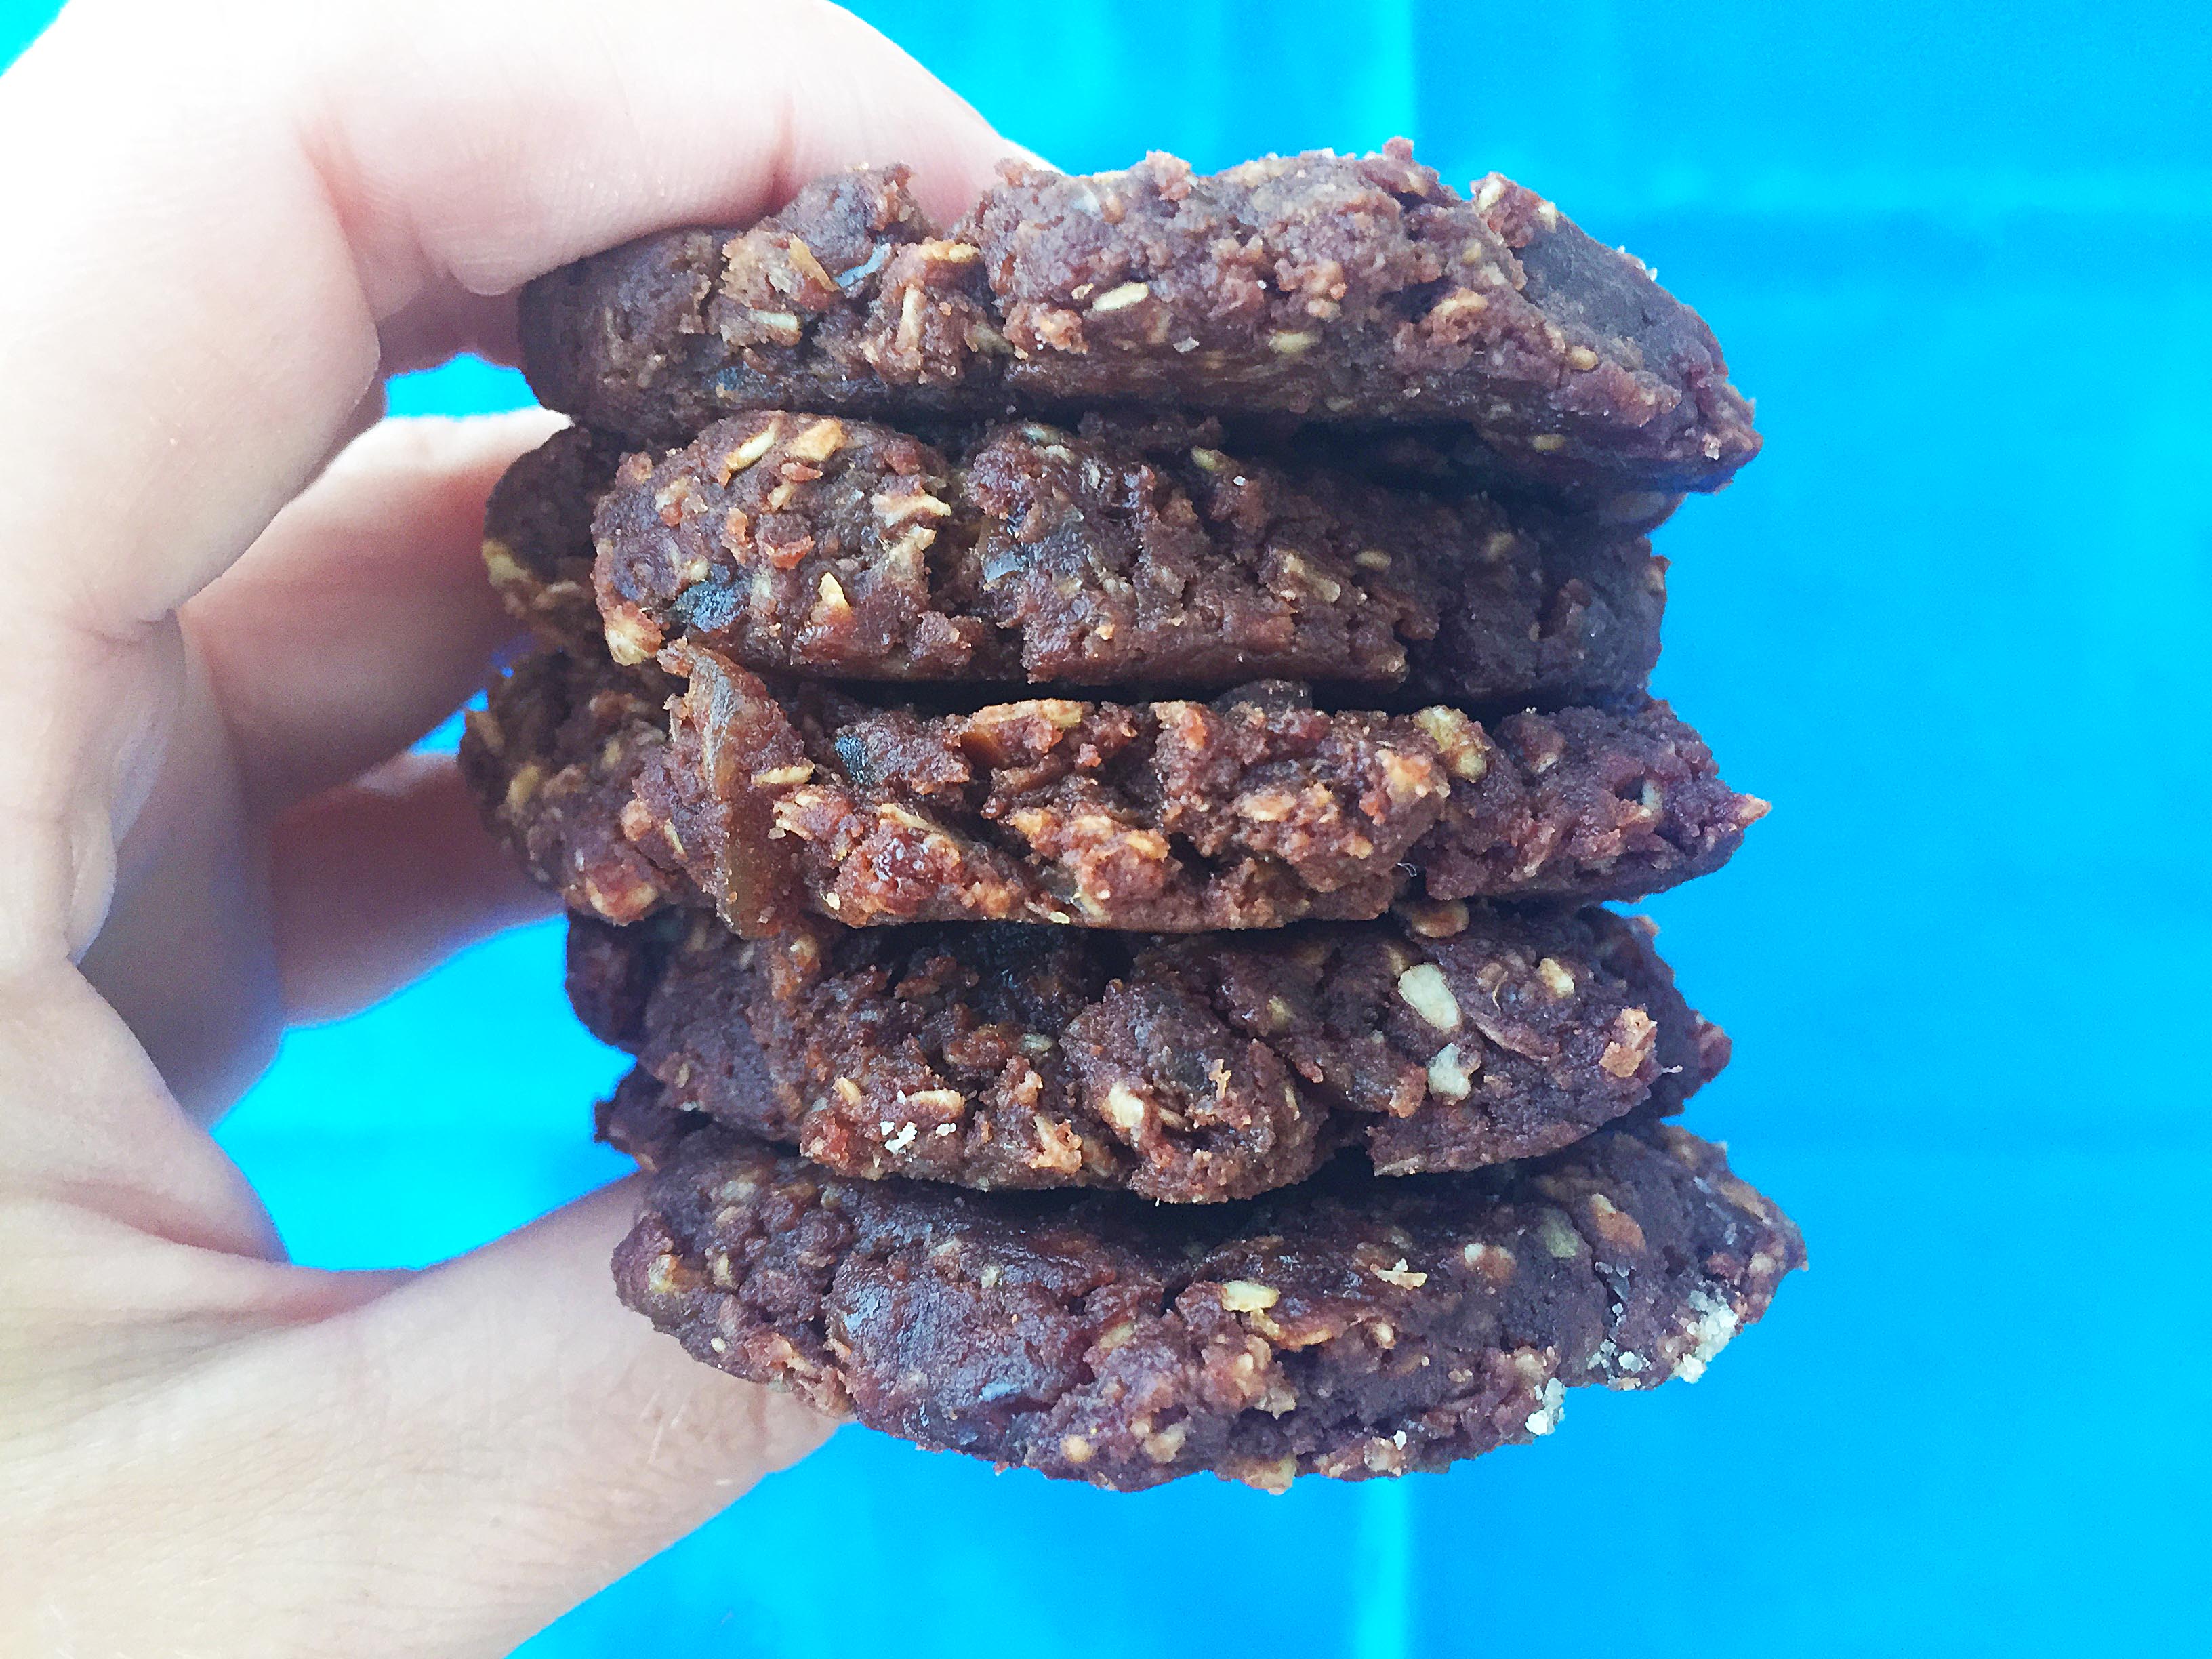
(243, 214)
(239, 210)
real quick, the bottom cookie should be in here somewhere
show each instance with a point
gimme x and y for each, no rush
(1348, 1326)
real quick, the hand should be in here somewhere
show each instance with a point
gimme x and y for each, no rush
(226, 225)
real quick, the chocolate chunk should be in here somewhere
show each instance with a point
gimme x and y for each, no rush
(1335, 288)
(1348, 1326)
(1188, 1069)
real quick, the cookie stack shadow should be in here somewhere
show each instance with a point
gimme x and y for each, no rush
(1087, 752)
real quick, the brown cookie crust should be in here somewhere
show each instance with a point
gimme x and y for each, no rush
(1188, 1070)
(773, 804)
(1347, 1327)
(538, 535)
(1337, 288)
(1120, 555)
(1168, 816)
(554, 761)
(1578, 804)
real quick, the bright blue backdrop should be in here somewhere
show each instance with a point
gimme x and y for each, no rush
(1952, 622)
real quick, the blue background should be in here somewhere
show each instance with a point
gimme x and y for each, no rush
(1952, 622)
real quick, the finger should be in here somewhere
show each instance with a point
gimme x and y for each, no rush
(467, 1454)
(375, 883)
(362, 180)
(365, 888)
(88, 1126)
(361, 617)
(595, 1438)
(182, 953)
(230, 204)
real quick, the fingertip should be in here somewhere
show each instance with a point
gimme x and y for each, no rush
(457, 451)
(469, 1450)
(606, 1403)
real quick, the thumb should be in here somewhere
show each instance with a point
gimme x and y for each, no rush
(434, 1464)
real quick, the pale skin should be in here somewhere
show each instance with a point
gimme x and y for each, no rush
(229, 593)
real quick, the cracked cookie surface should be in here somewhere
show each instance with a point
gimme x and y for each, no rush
(554, 759)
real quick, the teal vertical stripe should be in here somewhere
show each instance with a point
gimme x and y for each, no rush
(1386, 105)
(1382, 1579)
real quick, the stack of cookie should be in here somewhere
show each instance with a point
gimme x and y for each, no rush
(1084, 751)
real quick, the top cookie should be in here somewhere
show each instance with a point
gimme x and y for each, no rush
(1342, 288)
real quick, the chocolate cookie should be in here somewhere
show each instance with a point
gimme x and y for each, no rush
(538, 536)
(1188, 1069)
(1119, 555)
(1339, 288)
(1252, 811)
(1348, 1326)
(553, 762)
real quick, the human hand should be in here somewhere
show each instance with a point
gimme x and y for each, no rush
(227, 225)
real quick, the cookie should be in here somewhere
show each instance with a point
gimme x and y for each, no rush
(1187, 1069)
(1119, 555)
(1343, 288)
(1348, 1326)
(554, 759)
(1254, 810)
(538, 535)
